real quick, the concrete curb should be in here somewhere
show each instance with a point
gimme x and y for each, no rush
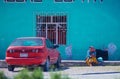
(69, 63)
(82, 63)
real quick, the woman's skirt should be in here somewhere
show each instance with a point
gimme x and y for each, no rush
(91, 60)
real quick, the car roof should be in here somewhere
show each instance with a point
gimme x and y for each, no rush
(31, 38)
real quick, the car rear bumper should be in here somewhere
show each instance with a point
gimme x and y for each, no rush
(25, 61)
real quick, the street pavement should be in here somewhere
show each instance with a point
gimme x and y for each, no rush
(78, 72)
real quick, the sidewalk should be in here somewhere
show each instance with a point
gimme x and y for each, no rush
(81, 72)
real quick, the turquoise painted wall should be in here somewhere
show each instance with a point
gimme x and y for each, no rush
(96, 24)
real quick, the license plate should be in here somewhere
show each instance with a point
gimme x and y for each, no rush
(23, 54)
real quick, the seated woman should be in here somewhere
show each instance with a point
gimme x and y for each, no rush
(91, 56)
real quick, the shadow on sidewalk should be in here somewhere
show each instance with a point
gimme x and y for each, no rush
(19, 69)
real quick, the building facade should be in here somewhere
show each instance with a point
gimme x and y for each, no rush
(79, 23)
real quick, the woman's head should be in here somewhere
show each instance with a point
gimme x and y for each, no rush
(92, 49)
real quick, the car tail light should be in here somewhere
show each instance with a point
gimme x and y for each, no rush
(11, 51)
(37, 50)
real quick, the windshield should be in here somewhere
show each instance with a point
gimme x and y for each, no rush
(27, 42)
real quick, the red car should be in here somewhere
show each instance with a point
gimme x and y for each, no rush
(29, 51)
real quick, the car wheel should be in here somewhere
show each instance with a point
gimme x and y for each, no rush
(57, 64)
(11, 68)
(47, 65)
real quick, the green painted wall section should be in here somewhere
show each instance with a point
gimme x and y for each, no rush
(96, 24)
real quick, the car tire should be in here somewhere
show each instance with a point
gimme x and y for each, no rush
(11, 68)
(57, 64)
(47, 65)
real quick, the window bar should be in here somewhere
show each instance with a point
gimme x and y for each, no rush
(51, 19)
(40, 25)
(42, 31)
(60, 18)
(39, 33)
(52, 31)
(46, 26)
(62, 33)
(54, 19)
(66, 30)
(56, 33)
(36, 26)
(46, 31)
(53, 36)
(46, 20)
(63, 37)
(41, 28)
(38, 30)
(60, 36)
(60, 29)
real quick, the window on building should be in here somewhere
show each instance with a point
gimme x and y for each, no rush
(101, 0)
(20, 0)
(92, 1)
(68, 0)
(10, 0)
(52, 27)
(63, 0)
(58, 0)
(15, 0)
(36, 0)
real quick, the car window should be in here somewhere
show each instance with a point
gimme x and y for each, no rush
(49, 44)
(27, 42)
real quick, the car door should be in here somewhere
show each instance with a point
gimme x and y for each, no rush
(51, 51)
